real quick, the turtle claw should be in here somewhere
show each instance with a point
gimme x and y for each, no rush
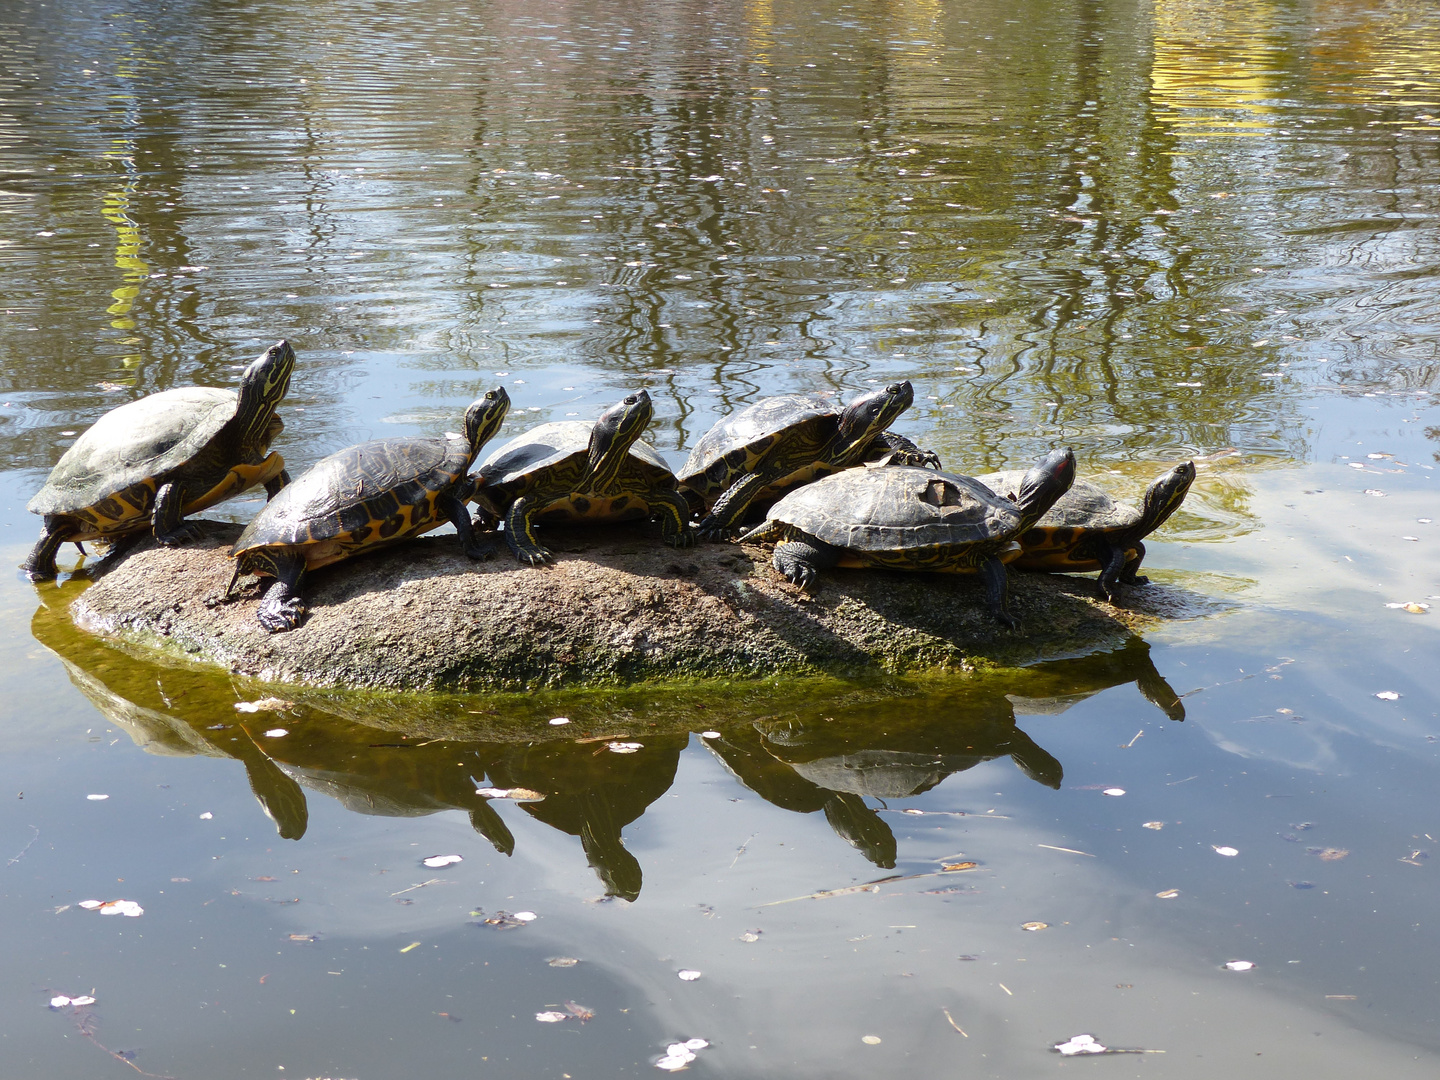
(183, 533)
(279, 616)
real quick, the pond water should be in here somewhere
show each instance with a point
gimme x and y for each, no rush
(1149, 231)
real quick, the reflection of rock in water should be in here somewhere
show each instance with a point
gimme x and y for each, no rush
(839, 755)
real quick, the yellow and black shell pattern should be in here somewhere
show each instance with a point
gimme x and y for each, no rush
(106, 481)
(551, 459)
(365, 496)
(789, 428)
(1078, 532)
(900, 516)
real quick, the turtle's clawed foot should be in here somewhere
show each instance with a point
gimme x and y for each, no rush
(1135, 579)
(481, 548)
(279, 612)
(183, 533)
(710, 533)
(682, 539)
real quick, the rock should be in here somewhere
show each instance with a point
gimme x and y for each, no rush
(617, 607)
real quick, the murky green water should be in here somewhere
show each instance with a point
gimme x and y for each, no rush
(1148, 231)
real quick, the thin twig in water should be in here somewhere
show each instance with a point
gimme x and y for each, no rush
(421, 885)
(1132, 741)
(1067, 850)
(26, 848)
(85, 1024)
(741, 849)
(953, 1024)
(874, 886)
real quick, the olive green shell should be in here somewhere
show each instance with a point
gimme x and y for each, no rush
(797, 424)
(553, 457)
(360, 497)
(1084, 508)
(898, 508)
(132, 447)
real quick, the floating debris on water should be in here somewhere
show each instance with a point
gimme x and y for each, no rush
(97, 798)
(623, 747)
(1229, 852)
(1156, 825)
(1113, 791)
(1239, 965)
(515, 794)
(1168, 894)
(562, 961)
(870, 1040)
(558, 721)
(1035, 926)
(751, 936)
(680, 1054)
(62, 1001)
(1088, 1044)
(442, 860)
(269, 704)
(688, 974)
(1388, 695)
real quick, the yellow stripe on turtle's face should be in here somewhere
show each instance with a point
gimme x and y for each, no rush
(240, 478)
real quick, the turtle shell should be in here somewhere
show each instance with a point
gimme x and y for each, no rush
(563, 445)
(1085, 508)
(134, 445)
(898, 508)
(734, 445)
(362, 496)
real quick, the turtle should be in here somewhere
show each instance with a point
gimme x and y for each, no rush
(907, 517)
(751, 457)
(362, 498)
(572, 471)
(150, 462)
(1088, 530)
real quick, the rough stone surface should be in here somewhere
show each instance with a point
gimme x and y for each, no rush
(616, 607)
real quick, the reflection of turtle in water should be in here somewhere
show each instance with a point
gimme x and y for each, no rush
(150, 462)
(365, 497)
(804, 767)
(907, 518)
(751, 456)
(1088, 530)
(571, 471)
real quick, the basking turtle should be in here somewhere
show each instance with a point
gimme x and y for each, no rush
(754, 455)
(150, 462)
(908, 518)
(1089, 530)
(575, 471)
(362, 498)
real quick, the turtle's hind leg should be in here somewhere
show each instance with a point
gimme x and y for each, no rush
(1128, 575)
(282, 608)
(997, 589)
(799, 560)
(39, 565)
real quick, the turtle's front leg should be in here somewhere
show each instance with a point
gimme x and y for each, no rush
(1128, 576)
(282, 607)
(904, 452)
(520, 533)
(799, 560)
(726, 515)
(674, 514)
(1112, 566)
(39, 565)
(997, 588)
(274, 485)
(170, 529)
(477, 546)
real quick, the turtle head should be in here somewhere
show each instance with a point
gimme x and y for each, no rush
(1041, 487)
(1164, 496)
(484, 417)
(262, 388)
(869, 415)
(614, 433)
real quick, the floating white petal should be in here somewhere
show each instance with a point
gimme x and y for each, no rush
(443, 860)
